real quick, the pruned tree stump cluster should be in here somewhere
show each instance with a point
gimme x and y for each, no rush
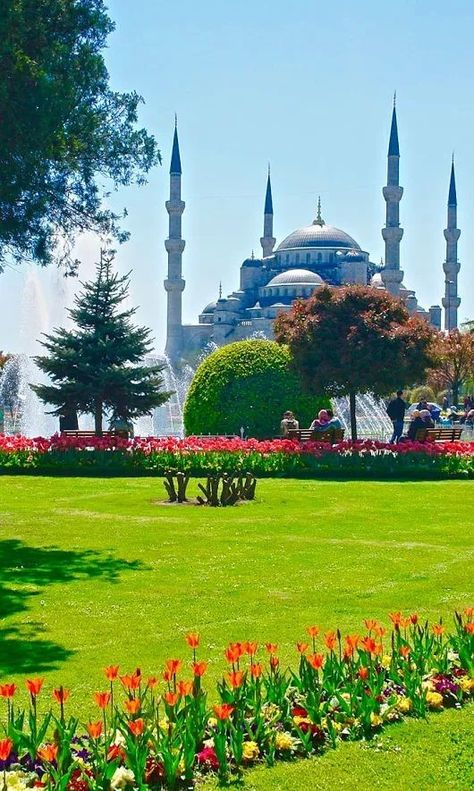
(219, 490)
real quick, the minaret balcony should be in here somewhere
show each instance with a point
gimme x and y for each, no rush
(174, 285)
(452, 234)
(174, 245)
(392, 193)
(451, 268)
(392, 234)
(175, 206)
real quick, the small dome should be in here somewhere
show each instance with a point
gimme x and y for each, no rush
(318, 235)
(252, 262)
(210, 308)
(296, 277)
(376, 280)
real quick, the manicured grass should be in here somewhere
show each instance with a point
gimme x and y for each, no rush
(94, 571)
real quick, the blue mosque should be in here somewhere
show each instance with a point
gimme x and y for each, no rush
(302, 262)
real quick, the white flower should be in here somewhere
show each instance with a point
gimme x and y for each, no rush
(119, 739)
(122, 777)
(16, 781)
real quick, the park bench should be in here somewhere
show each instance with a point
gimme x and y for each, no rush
(308, 435)
(438, 434)
(122, 433)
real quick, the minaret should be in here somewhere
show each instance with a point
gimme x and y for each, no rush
(451, 266)
(174, 283)
(268, 240)
(392, 234)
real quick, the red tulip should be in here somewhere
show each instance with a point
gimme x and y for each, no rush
(34, 686)
(173, 666)
(137, 727)
(192, 639)
(5, 749)
(256, 670)
(316, 661)
(199, 668)
(302, 647)
(363, 673)
(171, 698)
(61, 694)
(235, 679)
(185, 688)
(102, 699)
(7, 690)
(272, 648)
(133, 706)
(330, 640)
(111, 672)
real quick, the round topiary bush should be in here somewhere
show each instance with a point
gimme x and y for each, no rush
(250, 384)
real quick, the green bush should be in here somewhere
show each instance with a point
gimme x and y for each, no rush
(250, 384)
(423, 393)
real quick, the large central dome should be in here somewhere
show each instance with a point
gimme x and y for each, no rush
(318, 235)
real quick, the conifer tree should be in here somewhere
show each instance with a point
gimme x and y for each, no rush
(98, 367)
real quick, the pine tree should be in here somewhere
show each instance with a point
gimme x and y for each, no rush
(98, 367)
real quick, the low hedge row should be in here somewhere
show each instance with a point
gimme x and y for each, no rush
(197, 456)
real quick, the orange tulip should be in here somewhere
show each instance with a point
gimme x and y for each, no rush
(272, 648)
(223, 711)
(48, 753)
(173, 666)
(251, 648)
(5, 749)
(152, 681)
(232, 654)
(395, 618)
(256, 670)
(111, 672)
(352, 641)
(302, 647)
(115, 751)
(405, 623)
(136, 727)
(235, 678)
(316, 661)
(405, 651)
(313, 631)
(34, 686)
(192, 639)
(330, 640)
(438, 629)
(380, 631)
(7, 690)
(133, 706)
(469, 611)
(185, 688)
(94, 729)
(102, 699)
(61, 694)
(369, 645)
(274, 662)
(199, 668)
(130, 682)
(469, 627)
(370, 624)
(363, 673)
(167, 676)
(171, 698)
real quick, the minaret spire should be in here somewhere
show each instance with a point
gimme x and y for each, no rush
(174, 283)
(392, 234)
(451, 266)
(268, 240)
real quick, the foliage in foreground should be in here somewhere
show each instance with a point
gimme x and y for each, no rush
(65, 135)
(162, 733)
(248, 383)
(200, 456)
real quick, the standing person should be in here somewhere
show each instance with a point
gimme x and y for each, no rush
(396, 412)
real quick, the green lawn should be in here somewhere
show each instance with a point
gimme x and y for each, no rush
(96, 571)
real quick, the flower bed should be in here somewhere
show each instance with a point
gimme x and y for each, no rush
(161, 732)
(200, 456)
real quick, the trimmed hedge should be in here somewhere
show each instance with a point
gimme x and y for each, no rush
(248, 383)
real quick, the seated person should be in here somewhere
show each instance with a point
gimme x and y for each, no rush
(288, 423)
(321, 423)
(428, 421)
(121, 424)
(415, 424)
(334, 421)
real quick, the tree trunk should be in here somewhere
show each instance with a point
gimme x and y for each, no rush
(98, 418)
(352, 406)
(455, 391)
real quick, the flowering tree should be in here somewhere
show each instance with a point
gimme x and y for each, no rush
(355, 339)
(454, 361)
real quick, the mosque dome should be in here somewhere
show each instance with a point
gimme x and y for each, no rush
(296, 277)
(318, 235)
(210, 308)
(252, 261)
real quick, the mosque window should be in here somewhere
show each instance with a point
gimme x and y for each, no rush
(297, 258)
(331, 258)
(320, 257)
(308, 258)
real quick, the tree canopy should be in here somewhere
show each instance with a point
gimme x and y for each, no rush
(355, 339)
(454, 361)
(99, 366)
(65, 135)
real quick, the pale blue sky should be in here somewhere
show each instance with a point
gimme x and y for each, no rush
(307, 86)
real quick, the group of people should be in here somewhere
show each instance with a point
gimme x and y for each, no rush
(325, 421)
(424, 416)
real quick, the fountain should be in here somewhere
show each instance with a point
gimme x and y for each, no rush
(372, 419)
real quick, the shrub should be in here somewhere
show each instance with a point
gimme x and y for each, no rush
(423, 393)
(249, 383)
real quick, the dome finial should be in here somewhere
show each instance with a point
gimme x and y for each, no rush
(220, 289)
(252, 256)
(319, 220)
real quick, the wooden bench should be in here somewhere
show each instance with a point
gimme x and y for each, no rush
(308, 435)
(122, 433)
(438, 435)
